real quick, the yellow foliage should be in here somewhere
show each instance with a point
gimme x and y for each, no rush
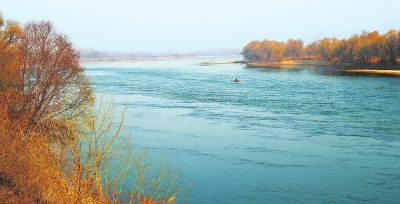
(59, 149)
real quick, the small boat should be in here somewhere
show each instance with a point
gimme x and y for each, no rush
(237, 80)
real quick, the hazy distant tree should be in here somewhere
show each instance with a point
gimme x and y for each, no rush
(312, 50)
(326, 49)
(249, 51)
(335, 48)
(264, 51)
(392, 45)
(373, 38)
(89, 53)
(278, 48)
(351, 42)
(359, 52)
(364, 48)
(380, 49)
(360, 49)
(340, 48)
(294, 48)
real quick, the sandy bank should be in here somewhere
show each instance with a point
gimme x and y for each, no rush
(345, 67)
(222, 62)
(368, 69)
(374, 71)
(291, 63)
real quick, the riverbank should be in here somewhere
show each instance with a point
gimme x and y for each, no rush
(158, 58)
(285, 64)
(345, 67)
(135, 59)
(368, 69)
(374, 71)
(223, 62)
(291, 63)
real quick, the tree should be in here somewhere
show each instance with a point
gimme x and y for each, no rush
(312, 50)
(264, 51)
(89, 53)
(249, 51)
(340, 48)
(374, 39)
(392, 45)
(49, 77)
(294, 48)
(44, 93)
(9, 34)
(326, 49)
(277, 48)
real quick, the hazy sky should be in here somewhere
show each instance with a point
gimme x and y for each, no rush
(189, 25)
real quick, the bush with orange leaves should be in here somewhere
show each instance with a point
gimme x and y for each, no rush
(55, 147)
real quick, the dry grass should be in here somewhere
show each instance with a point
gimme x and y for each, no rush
(29, 170)
(91, 166)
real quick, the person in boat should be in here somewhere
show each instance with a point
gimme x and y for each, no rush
(237, 80)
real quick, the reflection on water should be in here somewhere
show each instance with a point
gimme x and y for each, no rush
(282, 135)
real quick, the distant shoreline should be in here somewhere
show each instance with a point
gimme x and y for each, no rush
(344, 67)
(375, 71)
(289, 63)
(152, 58)
(368, 69)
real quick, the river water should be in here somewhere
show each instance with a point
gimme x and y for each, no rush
(283, 135)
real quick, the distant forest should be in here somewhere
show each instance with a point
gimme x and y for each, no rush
(364, 48)
(94, 54)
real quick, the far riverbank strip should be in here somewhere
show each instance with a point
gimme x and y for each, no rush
(284, 64)
(344, 67)
(374, 71)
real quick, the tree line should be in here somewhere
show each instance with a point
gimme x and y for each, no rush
(273, 51)
(56, 147)
(364, 48)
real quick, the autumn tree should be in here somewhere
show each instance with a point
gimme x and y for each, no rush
(364, 48)
(327, 47)
(339, 49)
(45, 94)
(312, 50)
(47, 77)
(392, 42)
(9, 34)
(249, 51)
(294, 48)
(381, 49)
(373, 38)
(264, 51)
(278, 48)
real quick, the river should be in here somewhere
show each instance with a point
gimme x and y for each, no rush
(283, 135)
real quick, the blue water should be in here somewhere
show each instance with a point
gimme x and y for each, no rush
(282, 135)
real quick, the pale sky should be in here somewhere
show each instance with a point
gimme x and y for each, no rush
(189, 25)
